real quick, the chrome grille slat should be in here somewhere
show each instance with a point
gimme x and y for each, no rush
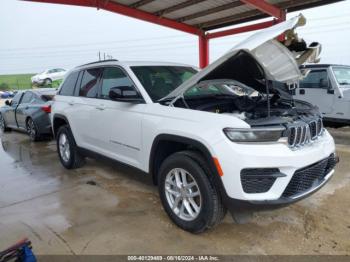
(304, 132)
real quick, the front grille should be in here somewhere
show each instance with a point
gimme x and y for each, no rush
(304, 132)
(258, 180)
(308, 177)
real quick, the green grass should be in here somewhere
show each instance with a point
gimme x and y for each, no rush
(16, 82)
(19, 82)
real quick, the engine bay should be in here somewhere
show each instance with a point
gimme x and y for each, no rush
(239, 88)
(253, 110)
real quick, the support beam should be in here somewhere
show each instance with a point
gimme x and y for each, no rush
(212, 24)
(128, 11)
(209, 11)
(178, 7)
(241, 29)
(141, 3)
(265, 7)
(203, 51)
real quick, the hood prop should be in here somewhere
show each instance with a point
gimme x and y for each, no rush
(268, 98)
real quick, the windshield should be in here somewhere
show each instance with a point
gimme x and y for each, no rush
(220, 87)
(342, 75)
(159, 81)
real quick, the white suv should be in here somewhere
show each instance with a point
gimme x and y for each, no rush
(227, 137)
(48, 76)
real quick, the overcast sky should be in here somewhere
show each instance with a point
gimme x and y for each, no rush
(35, 36)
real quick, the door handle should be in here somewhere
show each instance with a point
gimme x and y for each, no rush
(101, 107)
(27, 107)
(71, 103)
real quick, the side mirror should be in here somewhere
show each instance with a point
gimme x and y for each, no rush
(324, 83)
(125, 94)
(8, 103)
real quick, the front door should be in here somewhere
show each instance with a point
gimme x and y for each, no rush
(118, 124)
(315, 89)
(10, 114)
(23, 107)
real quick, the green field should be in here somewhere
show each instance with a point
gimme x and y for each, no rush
(18, 82)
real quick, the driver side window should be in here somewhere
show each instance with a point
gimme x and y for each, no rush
(315, 79)
(113, 77)
(15, 100)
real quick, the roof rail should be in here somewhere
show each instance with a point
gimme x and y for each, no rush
(101, 61)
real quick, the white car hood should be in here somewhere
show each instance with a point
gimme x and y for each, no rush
(277, 61)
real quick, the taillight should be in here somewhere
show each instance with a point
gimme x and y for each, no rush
(46, 109)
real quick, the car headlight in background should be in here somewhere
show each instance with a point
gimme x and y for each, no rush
(251, 135)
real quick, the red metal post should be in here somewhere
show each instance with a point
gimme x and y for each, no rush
(281, 19)
(203, 50)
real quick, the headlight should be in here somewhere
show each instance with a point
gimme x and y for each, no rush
(251, 135)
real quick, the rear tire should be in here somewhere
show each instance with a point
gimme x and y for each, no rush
(3, 127)
(191, 201)
(68, 150)
(32, 130)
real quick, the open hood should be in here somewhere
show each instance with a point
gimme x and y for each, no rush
(264, 59)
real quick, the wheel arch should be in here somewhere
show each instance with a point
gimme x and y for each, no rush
(27, 118)
(166, 144)
(58, 121)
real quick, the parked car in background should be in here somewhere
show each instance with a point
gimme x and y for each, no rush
(29, 111)
(6, 94)
(328, 87)
(222, 138)
(48, 76)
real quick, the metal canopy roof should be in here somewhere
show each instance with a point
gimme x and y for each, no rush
(200, 16)
(203, 14)
(212, 14)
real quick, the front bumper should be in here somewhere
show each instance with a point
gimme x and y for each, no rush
(236, 205)
(38, 81)
(270, 156)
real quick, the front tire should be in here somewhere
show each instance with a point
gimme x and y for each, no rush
(188, 196)
(67, 149)
(47, 82)
(3, 127)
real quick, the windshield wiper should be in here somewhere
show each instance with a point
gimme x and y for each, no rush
(344, 83)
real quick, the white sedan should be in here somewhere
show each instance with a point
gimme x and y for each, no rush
(48, 76)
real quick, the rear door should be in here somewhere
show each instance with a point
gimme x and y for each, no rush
(83, 104)
(315, 89)
(23, 108)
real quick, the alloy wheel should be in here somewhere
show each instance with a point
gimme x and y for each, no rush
(183, 194)
(64, 147)
(31, 129)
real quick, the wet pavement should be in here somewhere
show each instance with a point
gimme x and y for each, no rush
(105, 208)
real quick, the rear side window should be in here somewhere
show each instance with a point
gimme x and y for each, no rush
(89, 83)
(27, 98)
(67, 88)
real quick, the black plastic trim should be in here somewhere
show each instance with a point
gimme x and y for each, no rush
(193, 143)
(58, 116)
